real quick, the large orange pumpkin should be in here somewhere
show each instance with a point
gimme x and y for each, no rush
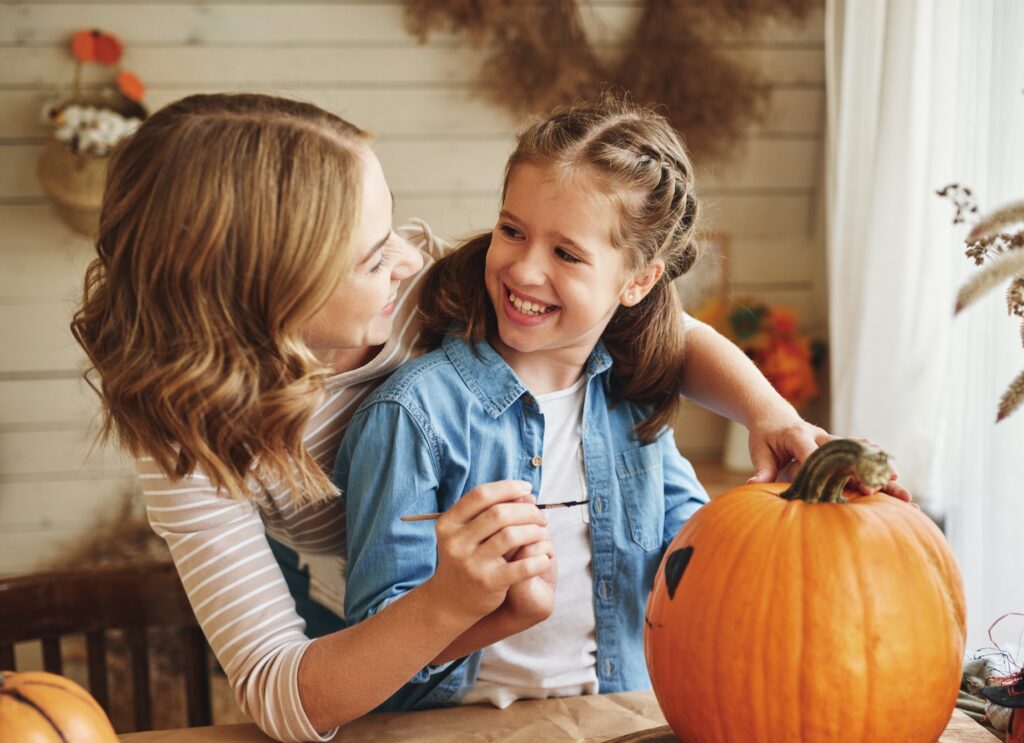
(810, 614)
(37, 707)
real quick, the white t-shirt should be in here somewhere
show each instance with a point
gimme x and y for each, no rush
(555, 658)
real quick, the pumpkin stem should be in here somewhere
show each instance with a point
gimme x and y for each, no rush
(823, 477)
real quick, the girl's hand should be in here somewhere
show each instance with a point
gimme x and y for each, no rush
(532, 600)
(777, 441)
(473, 576)
(776, 444)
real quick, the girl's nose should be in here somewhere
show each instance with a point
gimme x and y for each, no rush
(526, 270)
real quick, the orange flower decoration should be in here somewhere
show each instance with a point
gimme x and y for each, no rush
(770, 336)
(130, 85)
(786, 363)
(83, 46)
(108, 49)
(96, 46)
(783, 320)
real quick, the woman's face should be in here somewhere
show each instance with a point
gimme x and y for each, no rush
(358, 316)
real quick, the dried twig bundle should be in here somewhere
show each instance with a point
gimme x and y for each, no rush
(539, 57)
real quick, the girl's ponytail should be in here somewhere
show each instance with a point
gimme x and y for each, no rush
(646, 345)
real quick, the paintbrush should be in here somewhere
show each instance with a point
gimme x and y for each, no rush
(542, 506)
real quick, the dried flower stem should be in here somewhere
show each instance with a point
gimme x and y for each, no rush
(1000, 269)
(995, 222)
(962, 199)
(1012, 398)
(991, 240)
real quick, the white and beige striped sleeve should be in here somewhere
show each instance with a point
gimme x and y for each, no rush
(221, 551)
(420, 236)
(238, 594)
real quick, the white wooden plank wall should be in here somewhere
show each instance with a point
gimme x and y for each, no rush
(443, 152)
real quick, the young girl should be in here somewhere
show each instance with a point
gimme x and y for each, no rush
(561, 369)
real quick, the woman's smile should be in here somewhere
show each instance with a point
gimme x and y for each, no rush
(390, 306)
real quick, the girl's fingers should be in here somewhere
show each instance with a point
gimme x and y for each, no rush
(898, 491)
(510, 539)
(536, 548)
(519, 570)
(482, 497)
(771, 454)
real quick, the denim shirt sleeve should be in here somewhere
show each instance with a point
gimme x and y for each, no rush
(386, 469)
(683, 492)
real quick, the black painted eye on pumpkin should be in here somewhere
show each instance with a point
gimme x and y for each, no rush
(675, 566)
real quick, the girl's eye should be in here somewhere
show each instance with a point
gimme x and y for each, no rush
(566, 256)
(510, 231)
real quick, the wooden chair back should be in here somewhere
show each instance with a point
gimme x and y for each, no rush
(89, 601)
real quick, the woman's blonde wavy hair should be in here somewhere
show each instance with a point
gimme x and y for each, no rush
(226, 224)
(638, 160)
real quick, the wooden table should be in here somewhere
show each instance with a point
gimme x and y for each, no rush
(590, 718)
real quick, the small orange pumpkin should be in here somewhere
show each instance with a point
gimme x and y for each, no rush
(43, 707)
(808, 614)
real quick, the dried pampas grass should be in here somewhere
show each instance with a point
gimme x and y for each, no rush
(996, 242)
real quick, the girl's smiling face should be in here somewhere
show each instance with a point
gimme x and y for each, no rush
(552, 273)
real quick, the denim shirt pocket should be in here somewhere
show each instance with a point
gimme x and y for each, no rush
(641, 480)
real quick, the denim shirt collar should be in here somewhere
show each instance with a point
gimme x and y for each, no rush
(493, 381)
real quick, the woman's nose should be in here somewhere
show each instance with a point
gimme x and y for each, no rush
(409, 261)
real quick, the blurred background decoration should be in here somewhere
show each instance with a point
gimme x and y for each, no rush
(538, 55)
(443, 146)
(86, 124)
(771, 337)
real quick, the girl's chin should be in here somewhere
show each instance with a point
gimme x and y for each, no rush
(513, 339)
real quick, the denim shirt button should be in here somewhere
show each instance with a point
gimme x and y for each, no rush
(536, 461)
(603, 590)
(607, 668)
(599, 505)
(527, 400)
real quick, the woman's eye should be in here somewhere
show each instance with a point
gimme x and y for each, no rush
(382, 263)
(510, 231)
(566, 256)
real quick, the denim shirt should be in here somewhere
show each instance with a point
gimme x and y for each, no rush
(459, 417)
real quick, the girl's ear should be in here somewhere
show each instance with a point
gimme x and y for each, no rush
(642, 283)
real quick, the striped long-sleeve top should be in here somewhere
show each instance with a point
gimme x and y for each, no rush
(220, 548)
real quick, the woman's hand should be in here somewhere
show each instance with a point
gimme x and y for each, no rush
(531, 601)
(775, 444)
(473, 576)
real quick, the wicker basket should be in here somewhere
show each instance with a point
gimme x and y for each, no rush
(74, 181)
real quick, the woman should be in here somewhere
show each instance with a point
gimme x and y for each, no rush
(249, 291)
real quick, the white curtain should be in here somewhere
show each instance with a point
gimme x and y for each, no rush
(922, 93)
